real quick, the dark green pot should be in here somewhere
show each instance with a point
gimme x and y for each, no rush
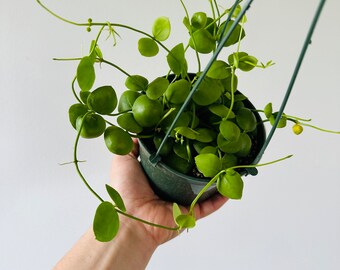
(173, 186)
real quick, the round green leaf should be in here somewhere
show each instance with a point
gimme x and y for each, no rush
(177, 163)
(208, 164)
(178, 91)
(148, 47)
(221, 111)
(118, 141)
(228, 160)
(157, 88)
(136, 83)
(103, 100)
(268, 110)
(227, 146)
(246, 144)
(75, 111)
(86, 74)
(282, 122)
(219, 70)
(183, 121)
(128, 122)
(234, 37)
(208, 92)
(202, 41)
(94, 126)
(199, 20)
(126, 100)
(186, 132)
(247, 63)
(161, 28)
(230, 185)
(185, 221)
(176, 60)
(147, 112)
(230, 83)
(106, 222)
(230, 131)
(181, 150)
(116, 198)
(209, 150)
(167, 147)
(246, 119)
(84, 95)
(205, 135)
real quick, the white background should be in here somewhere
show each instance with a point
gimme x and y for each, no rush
(289, 217)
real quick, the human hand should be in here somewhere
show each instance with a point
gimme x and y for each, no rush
(129, 179)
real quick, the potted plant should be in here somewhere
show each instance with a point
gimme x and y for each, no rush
(198, 134)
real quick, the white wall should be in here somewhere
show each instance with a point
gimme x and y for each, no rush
(289, 217)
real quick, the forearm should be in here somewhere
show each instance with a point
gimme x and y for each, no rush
(130, 249)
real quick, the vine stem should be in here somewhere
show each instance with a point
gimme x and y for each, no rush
(206, 187)
(147, 222)
(215, 178)
(321, 129)
(75, 159)
(259, 165)
(74, 90)
(103, 24)
(96, 194)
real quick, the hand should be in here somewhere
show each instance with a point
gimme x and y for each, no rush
(128, 178)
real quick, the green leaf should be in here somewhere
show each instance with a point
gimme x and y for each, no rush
(148, 47)
(208, 164)
(282, 122)
(128, 122)
(230, 185)
(126, 100)
(178, 91)
(185, 221)
(176, 60)
(186, 132)
(205, 135)
(268, 110)
(230, 131)
(209, 91)
(86, 73)
(176, 211)
(246, 144)
(209, 150)
(227, 146)
(161, 28)
(75, 111)
(116, 198)
(181, 151)
(202, 41)
(219, 70)
(103, 100)
(106, 222)
(136, 83)
(199, 20)
(157, 88)
(234, 37)
(186, 23)
(247, 63)
(221, 111)
(246, 119)
(229, 160)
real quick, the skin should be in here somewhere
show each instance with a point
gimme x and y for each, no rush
(135, 243)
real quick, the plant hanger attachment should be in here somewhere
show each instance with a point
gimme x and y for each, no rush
(155, 158)
(307, 42)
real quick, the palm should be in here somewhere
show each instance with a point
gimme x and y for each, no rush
(127, 176)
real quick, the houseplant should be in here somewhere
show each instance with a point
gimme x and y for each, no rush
(212, 131)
